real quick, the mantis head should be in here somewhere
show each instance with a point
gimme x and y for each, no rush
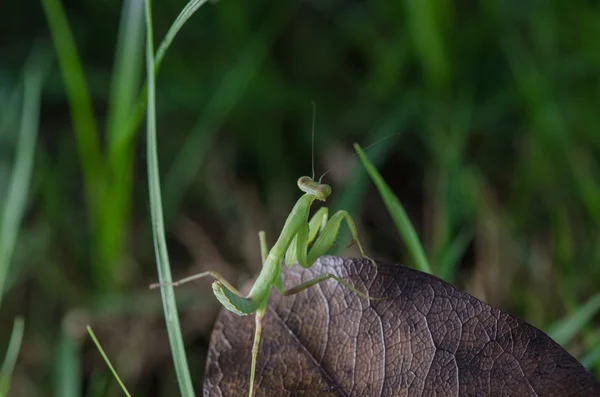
(320, 190)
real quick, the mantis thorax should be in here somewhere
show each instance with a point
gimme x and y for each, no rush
(320, 190)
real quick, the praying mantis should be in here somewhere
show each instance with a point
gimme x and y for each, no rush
(301, 240)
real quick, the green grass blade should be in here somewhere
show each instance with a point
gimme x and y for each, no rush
(105, 357)
(116, 206)
(126, 72)
(12, 352)
(425, 19)
(185, 14)
(66, 374)
(455, 250)
(405, 227)
(160, 244)
(9, 111)
(351, 194)
(592, 358)
(84, 122)
(565, 329)
(16, 198)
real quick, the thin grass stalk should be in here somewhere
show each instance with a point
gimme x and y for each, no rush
(160, 244)
(18, 190)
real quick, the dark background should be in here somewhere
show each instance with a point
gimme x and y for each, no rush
(489, 112)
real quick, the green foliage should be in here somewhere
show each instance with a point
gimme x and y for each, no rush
(107, 360)
(494, 158)
(403, 224)
(564, 330)
(107, 190)
(12, 352)
(66, 366)
(17, 190)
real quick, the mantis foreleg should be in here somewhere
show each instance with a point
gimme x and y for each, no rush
(210, 273)
(306, 257)
(316, 224)
(223, 290)
(258, 317)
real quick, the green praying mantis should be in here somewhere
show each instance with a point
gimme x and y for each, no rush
(301, 240)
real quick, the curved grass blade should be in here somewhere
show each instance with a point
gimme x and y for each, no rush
(105, 357)
(591, 359)
(351, 194)
(12, 352)
(116, 206)
(190, 8)
(126, 70)
(455, 250)
(185, 14)
(565, 329)
(405, 227)
(16, 196)
(85, 127)
(160, 244)
(9, 111)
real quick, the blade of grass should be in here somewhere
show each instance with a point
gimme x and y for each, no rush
(190, 8)
(84, 122)
(592, 358)
(12, 352)
(126, 72)
(87, 139)
(185, 14)
(398, 214)
(350, 196)
(112, 227)
(454, 251)
(18, 189)
(9, 110)
(426, 20)
(66, 374)
(565, 329)
(160, 244)
(105, 357)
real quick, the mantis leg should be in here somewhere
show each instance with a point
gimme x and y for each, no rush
(301, 287)
(326, 239)
(258, 317)
(264, 248)
(260, 313)
(185, 280)
(264, 251)
(316, 223)
(226, 293)
(329, 233)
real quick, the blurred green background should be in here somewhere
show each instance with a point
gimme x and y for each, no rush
(489, 114)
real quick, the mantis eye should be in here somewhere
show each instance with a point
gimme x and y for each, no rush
(324, 190)
(304, 180)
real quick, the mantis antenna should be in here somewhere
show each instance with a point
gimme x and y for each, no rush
(314, 117)
(355, 154)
